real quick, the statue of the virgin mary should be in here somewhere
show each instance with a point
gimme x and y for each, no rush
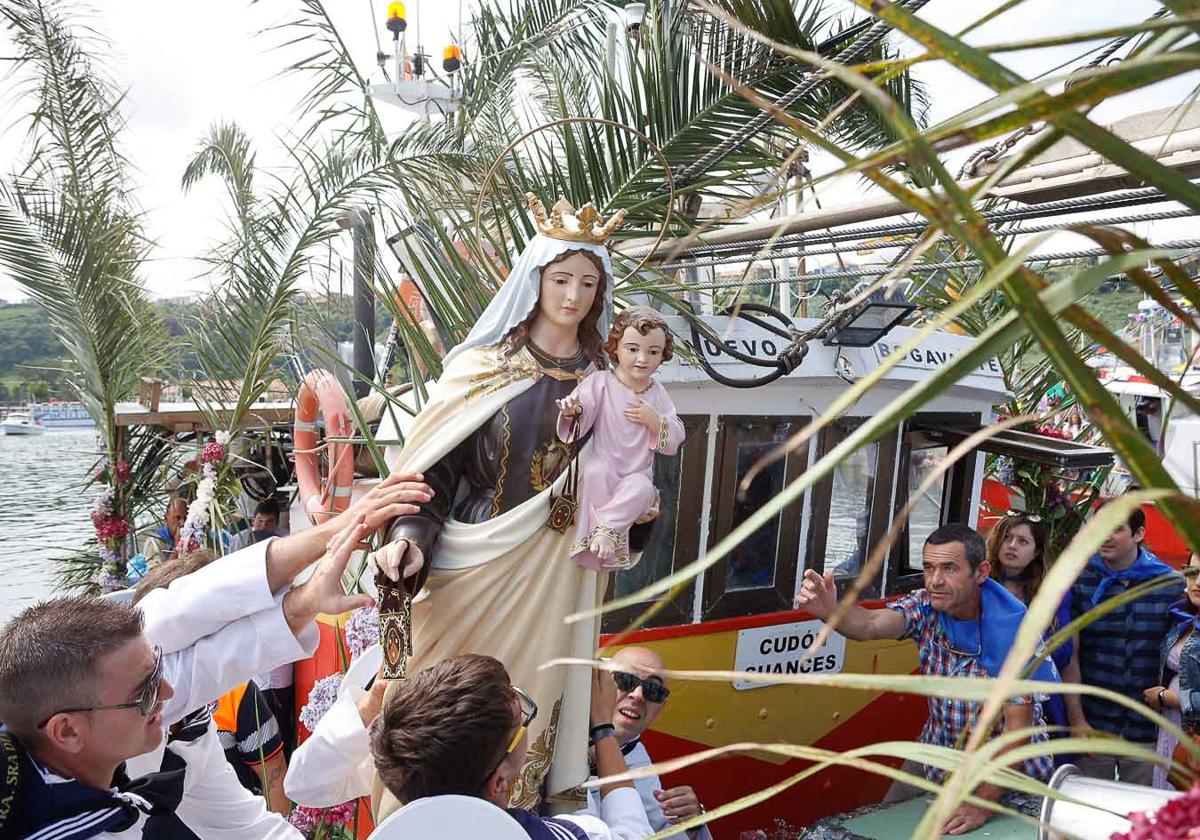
(493, 578)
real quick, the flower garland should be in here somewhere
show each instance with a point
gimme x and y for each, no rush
(111, 524)
(324, 823)
(191, 534)
(1176, 820)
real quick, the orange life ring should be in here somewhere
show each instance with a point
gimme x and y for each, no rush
(320, 393)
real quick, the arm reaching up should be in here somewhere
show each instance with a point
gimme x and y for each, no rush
(818, 595)
(323, 592)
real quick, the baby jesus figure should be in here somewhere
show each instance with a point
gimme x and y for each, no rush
(631, 418)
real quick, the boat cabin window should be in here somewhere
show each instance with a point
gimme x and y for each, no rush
(917, 464)
(851, 495)
(850, 508)
(947, 499)
(674, 540)
(759, 574)
(919, 459)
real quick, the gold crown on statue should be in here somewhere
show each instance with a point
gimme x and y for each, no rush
(566, 223)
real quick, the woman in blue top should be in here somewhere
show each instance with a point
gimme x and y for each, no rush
(1019, 558)
(1180, 657)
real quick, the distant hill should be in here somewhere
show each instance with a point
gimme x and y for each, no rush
(27, 340)
(27, 343)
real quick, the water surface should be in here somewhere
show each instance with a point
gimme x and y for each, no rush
(43, 510)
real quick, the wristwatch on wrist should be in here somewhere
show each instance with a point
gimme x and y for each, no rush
(602, 730)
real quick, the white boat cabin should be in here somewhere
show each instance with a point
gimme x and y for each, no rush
(832, 527)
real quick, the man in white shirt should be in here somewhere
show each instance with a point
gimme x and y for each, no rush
(86, 698)
(335, 763)
(461, 727)
(641, 694)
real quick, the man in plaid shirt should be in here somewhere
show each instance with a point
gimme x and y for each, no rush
(946, 619)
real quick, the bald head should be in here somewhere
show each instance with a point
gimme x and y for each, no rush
(634, 713)
(644, 661)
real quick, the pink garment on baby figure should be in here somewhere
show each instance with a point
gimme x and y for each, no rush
(617, 482)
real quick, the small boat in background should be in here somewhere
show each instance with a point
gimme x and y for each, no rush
(61, 415)
(20, 423)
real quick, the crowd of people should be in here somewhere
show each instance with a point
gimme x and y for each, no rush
(965, 620)
(140, 715)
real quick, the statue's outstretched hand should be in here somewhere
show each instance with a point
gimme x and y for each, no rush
(397, 560)
(569, 406)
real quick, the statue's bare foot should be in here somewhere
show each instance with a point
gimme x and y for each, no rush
(603, 547)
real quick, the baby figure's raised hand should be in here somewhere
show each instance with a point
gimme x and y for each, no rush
(569, 406)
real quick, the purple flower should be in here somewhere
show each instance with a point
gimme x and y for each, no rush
(320, 699)
(305, 819)
(362, 630)
(110, 581)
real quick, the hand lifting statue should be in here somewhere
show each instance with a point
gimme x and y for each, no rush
(493, 577)
(631, 417)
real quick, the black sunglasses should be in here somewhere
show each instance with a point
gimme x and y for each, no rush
(652, 687)
(1190, 571)
(147, 697)
(1028, 517)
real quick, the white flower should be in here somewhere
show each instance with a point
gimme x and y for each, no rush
(197, 514)
(223, 438)
(103, 503)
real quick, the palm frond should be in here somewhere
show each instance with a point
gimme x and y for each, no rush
(71, 233)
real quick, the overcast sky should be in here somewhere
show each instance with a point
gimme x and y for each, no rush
(186, 66)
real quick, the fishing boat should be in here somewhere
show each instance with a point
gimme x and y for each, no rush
(738, 615)
(21, 423)
(1168, 424)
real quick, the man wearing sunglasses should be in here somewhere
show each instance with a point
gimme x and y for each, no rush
(641, 694)
(461, 727)
(88, 687)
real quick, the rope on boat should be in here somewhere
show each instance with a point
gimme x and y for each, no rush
(1109, 201)
(879, 271)
(776, 254)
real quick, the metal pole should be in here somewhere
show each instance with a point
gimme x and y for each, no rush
(363, 230)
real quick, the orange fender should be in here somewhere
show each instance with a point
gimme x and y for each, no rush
(321, 394)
